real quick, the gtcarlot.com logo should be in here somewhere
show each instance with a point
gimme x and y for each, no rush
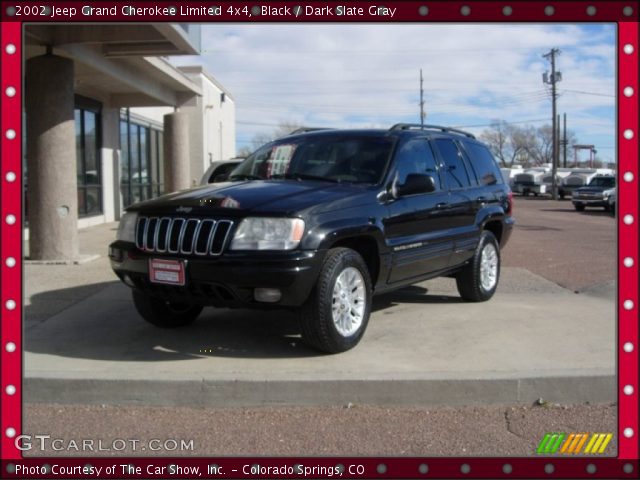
(47, 442)
(574, 443)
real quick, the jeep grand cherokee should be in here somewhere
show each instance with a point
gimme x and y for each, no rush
(320, 221)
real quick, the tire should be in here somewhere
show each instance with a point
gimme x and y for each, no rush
(334, 319)
(579, 208)
(162, 313)
(561, 195)
(475, 282)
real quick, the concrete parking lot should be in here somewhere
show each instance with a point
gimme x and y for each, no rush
(84, 340)
(433, 375)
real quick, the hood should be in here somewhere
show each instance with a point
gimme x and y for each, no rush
(592, 189)
(237, 198)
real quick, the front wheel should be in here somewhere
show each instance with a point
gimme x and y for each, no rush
(579, 208)
(336, 314)
(478, 281)
(162, 313)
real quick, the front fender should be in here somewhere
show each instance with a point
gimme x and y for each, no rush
(325, 235)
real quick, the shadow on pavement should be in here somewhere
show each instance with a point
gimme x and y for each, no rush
(589, 212)
(104, 325)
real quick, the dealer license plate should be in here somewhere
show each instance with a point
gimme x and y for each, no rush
(170, 272)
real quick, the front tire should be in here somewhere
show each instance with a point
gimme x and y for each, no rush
(335, 316)
(162, 313)
(478, 281)
(579, 208)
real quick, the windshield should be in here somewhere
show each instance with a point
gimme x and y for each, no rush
(331, 158)
(608, 182)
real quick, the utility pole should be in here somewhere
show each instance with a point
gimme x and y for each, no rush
(553, 79)
(422, 114)
(558, 136)
(564, 142)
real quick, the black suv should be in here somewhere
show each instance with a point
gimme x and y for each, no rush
(321, 220)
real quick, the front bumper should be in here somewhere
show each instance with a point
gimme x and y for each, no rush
(590, 202)
(508, 225)
(225, 281)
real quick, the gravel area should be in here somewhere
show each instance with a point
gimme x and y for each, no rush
(349, 430)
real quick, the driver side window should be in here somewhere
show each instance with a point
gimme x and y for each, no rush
(416, 156)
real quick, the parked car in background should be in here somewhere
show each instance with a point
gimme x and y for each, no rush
(578, 178)
(596, 194)
(218, 171)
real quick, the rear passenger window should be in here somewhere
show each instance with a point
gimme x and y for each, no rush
(454, 170)
(483, 164)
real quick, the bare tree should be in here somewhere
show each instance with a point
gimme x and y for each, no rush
(496, 139)
(509, 143)
(283, 128)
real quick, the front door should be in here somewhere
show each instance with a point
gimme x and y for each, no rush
(416, 228)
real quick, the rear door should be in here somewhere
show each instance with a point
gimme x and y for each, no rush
(416, 227)
(462, 186)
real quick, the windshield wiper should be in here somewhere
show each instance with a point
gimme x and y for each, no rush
(304, 176)
(245, 176)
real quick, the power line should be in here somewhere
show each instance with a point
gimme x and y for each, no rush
(589, 93)
(533, 120)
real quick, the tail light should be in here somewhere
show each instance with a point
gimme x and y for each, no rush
(510, 203)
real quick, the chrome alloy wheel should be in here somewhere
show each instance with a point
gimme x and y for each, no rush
(348, 301)
(489, 267)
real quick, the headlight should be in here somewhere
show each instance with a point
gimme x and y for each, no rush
(268, 234)
(127, 227)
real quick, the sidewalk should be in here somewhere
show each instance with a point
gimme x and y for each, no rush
(84, 343)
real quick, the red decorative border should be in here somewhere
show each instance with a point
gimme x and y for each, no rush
(11, 234)
(625, 466)
(628, 238)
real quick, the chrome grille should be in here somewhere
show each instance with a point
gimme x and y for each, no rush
(187, 236)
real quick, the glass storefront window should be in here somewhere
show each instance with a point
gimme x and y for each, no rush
(88, 160)
(141, 175)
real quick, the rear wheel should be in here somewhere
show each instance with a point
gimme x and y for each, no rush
(478, 281)
(162, 313)
(579, 208)
(336, 314)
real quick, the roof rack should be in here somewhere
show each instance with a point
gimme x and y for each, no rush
(308, 129)
(408, 126)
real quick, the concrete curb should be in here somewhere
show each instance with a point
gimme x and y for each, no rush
(234, 393)
(80, 260)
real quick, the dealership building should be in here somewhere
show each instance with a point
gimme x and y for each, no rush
(109, 121)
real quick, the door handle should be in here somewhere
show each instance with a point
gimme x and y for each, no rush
(441, 205)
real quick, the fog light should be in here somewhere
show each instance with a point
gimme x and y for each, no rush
(127, 280)
(115, 254)
(269, 295)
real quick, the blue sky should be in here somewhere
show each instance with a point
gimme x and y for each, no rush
(367, 75)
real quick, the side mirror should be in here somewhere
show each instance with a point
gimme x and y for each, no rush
(416, 183)
(222, 177)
